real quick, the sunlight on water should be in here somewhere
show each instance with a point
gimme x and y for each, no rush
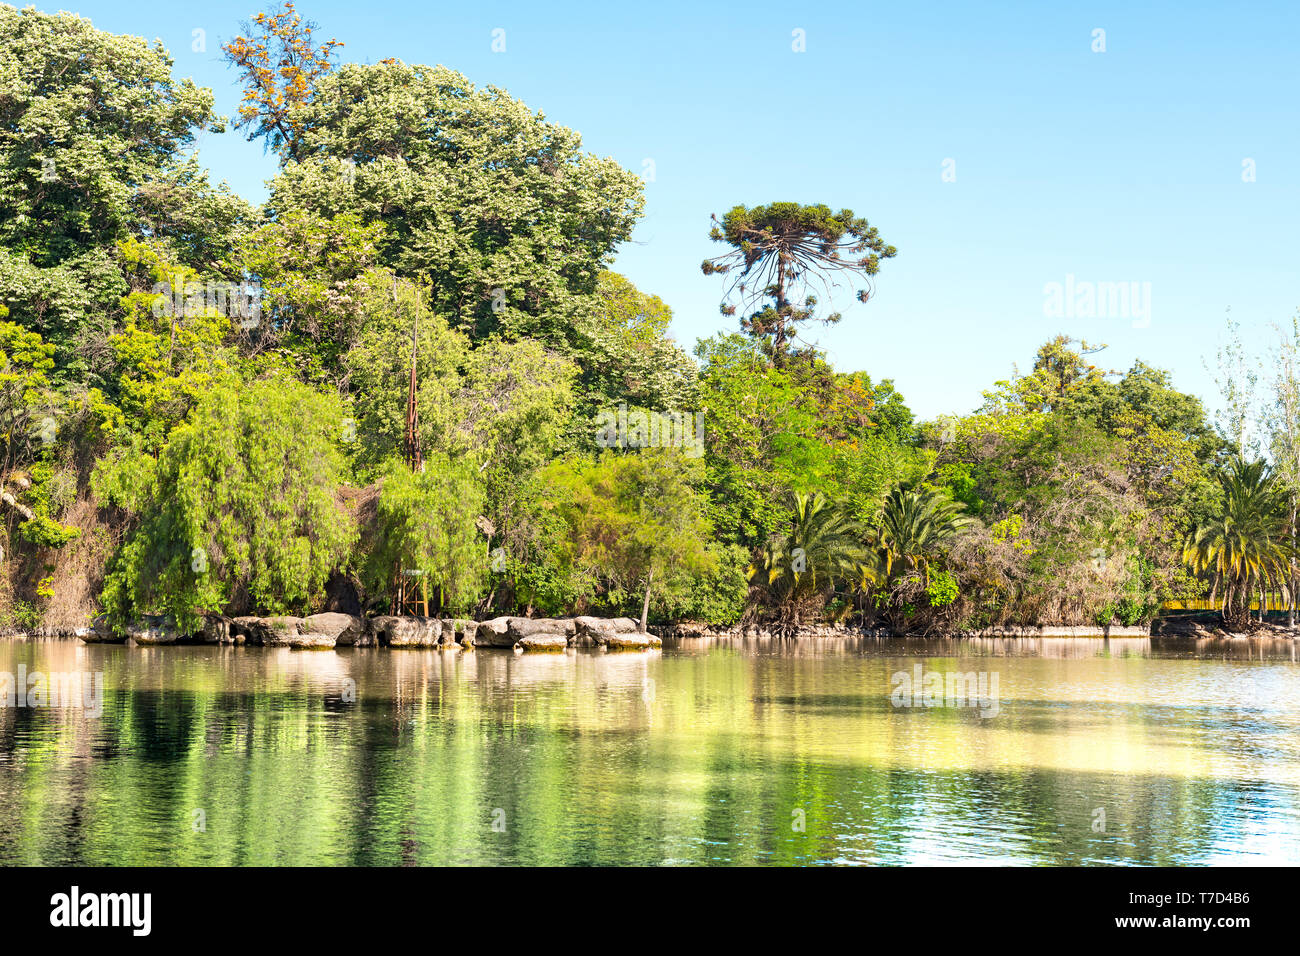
(711, 751)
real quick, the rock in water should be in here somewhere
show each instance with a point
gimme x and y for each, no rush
(101, 632)
(619, 632)
(155, 629)
(284, 631)
(538, 634)
(493, 633)
(343, 630)
(407, 631)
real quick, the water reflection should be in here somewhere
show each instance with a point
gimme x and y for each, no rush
(1144, 751)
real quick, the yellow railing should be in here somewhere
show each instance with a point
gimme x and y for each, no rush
(1205, 604)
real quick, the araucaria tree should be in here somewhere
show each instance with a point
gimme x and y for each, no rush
(781, 253)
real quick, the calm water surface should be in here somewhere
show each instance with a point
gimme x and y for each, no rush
(707, 752)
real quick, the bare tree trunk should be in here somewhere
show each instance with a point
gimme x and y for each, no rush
(645, 605)
(1290, 603)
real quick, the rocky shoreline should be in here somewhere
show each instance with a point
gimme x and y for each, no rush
(332, 629)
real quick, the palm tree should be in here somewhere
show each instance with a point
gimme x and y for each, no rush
(915, 526)
(1244, 548)
(794, 569)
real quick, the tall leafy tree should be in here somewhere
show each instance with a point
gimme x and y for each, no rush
(240, 511)
(93, 133)
(499, 211)
(633, 519)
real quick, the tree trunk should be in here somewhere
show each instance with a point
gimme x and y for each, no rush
(645, 605)
(1290, 598)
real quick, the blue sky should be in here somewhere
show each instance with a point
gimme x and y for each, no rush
(1121, 167)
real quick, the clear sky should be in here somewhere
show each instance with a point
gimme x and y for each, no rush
(1123, 166)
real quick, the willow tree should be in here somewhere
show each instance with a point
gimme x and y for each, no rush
(780, 255)
(634, 521)
(239, 512)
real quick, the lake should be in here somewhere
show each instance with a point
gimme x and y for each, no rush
(711, 751)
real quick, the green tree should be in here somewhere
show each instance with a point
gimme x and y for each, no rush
(317, 277)
(798, 566)
(378, 367)
(1284, 441)
(168, 351)
(92, 129)
(26, 396)
(760, 439)
(1245, 547)
(633, 519)
(501, 212)
(916, 526)
(240, 511)
(426, 525)
(626, 356)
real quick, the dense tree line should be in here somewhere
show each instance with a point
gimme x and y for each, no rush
(203, 405)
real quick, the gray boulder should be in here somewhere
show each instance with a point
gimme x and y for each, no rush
(407, 631)
(624, 640)
(522, 627)
(612, 632)
(493, 633)
(155, 629)
(342, 630)
(100, 632)
(543, 641)
(538, 634)
(284, 631)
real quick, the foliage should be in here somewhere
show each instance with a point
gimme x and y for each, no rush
(499, 211)
(633, 519)
(280, 66)
(26, 397)
(240, 513)
(426, 524)
(420, 223)
(317, 276)
(66, 200)
(1245, 547)
(796, 568)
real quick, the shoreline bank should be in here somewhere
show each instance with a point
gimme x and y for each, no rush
(331, 630)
